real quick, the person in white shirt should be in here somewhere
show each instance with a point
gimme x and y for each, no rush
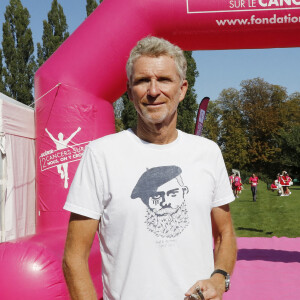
(159, 198)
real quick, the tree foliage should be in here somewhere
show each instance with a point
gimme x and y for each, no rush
(18, 51)
(2, 86)
(91, 5)
(129, 114)
(262, 107)
(55, 32)
(232, 140)
(118, 108)
(187, 109)
(257, 127)
(211, 128)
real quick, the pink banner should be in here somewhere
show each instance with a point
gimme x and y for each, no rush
(201, 115)
(198, 6)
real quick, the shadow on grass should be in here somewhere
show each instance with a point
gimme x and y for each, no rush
(250, 229)
(269, 255)
(254, 230)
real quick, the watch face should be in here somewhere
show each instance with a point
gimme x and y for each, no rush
(227, 283)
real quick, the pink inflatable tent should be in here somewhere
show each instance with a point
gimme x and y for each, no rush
(76, 87)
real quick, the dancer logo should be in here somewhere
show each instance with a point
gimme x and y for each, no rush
(62, 156)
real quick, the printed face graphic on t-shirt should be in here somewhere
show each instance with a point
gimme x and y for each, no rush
(163, 192)
(168, 198)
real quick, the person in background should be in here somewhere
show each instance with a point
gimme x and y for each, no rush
(279, 184)
(237, 185)
(253, 180)
(285, 182)
(231, 180)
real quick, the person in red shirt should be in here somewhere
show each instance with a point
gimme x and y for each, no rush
(274, 186)
(285, 182)
(254, 181)
(231, 180)
(237, 183)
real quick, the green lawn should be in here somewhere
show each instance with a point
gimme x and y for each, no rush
(270, 215)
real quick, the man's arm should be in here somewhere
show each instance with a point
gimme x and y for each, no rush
(80, 237)
(224, 254)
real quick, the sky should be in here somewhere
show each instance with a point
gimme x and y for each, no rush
(218, 70)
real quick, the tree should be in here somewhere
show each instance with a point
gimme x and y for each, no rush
(187, 109)
(211, 126)
(262, 105)
(91, 5)
(129, 114)
(54, 32)
(118, 108)
(289, 137)
(18, 51)
(290, 148)
(292, 111)
(2, 86)
(233, 140)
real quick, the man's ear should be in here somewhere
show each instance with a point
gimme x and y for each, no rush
(183, 89)
(185, 190)
(129, 91)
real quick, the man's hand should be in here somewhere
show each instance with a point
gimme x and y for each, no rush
(212, 289)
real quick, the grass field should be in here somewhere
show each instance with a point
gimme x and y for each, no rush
(269, 216)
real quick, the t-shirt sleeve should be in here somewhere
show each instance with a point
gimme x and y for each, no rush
(86, 191)
(223, 192)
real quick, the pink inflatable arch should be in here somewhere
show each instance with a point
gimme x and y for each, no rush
(76, 87)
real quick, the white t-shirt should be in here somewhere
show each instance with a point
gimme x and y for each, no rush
(154, 203)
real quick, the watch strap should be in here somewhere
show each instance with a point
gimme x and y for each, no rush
(219, 271)
(226, 275)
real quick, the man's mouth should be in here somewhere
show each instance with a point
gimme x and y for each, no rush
(154, 104)
(166, 211)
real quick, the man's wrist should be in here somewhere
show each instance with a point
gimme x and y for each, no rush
(222, 276)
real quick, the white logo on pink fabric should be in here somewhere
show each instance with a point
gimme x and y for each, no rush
(62, 156)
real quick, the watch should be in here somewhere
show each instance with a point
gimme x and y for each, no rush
(226, 275)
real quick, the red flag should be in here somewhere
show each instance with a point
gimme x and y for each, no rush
(201, 115)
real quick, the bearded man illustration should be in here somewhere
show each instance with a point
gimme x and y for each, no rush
(163, 192)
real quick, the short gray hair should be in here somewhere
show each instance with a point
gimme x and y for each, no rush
(155, 47)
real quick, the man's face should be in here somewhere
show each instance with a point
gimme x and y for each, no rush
(155, 89)
(168, 198)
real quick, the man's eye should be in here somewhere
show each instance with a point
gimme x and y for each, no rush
(156, 197)
(173, 194)
(164, 79)
(155, 201)
(141, 80)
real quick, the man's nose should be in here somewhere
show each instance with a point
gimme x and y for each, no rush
(166, 202)
(153, 89)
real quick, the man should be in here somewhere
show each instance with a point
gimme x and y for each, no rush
(156, 233)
